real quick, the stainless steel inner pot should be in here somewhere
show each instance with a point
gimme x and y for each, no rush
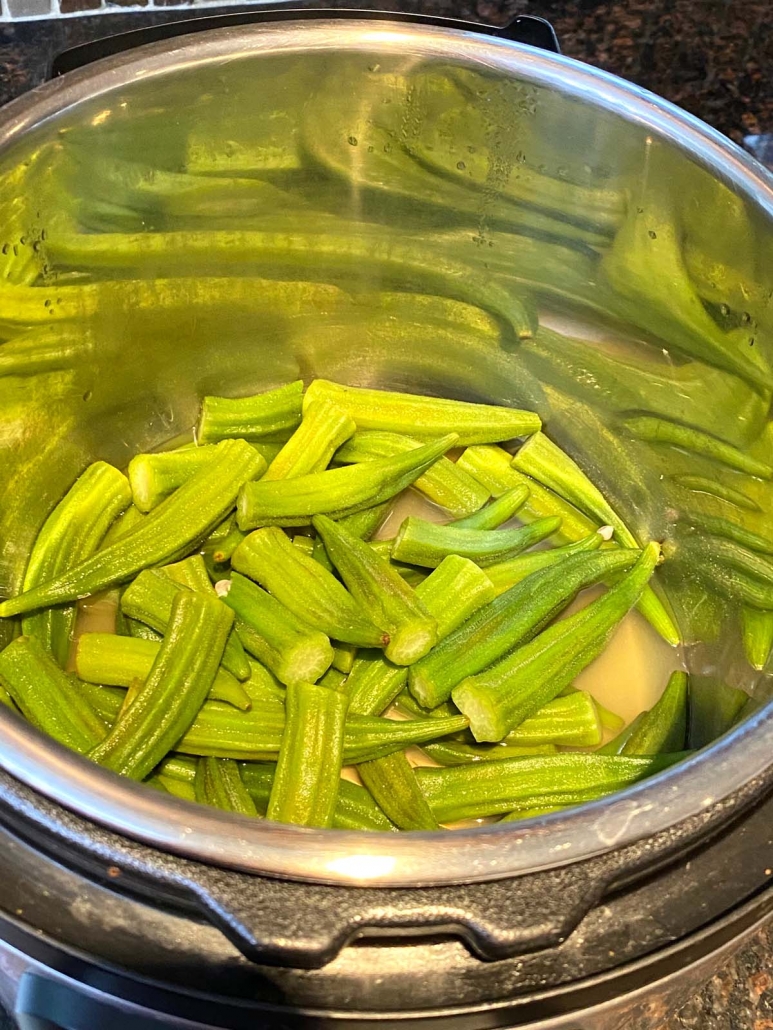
(326, 112)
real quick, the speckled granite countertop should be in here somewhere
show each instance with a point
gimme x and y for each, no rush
(712, 57)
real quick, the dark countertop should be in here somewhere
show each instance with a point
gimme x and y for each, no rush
(712, 57)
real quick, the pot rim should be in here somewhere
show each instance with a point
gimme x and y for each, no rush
(408, 859)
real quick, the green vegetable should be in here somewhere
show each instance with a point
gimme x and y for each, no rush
(714, 709)
(499, 511)
(47, 697)
(658, 430)
(71, 534)
(291, 649)
(493, 788)
(219, 783)
(221, 543)
(301, 584)
(191, 572)
(106, 701)
(262, 685)
(308, 772)
(265, 414)
(170, 530)
(419, 542)
(509, 620)
(455, 753)
(384, 597)
(616, 744)
(335, 492)
(343, 657)
(506, 574)
(453, 592)
(572, 721)
(444, 483)
(178, 767)
(499, 699)
(334, 680)
(757, 636)
(180, 679)
(425, 416)
(374, 683)
(664, 728)
(140, 631)
(154, 476)
(323, 429)
(393, 784)
(109, 659)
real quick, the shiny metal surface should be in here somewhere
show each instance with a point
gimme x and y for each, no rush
(150, 351)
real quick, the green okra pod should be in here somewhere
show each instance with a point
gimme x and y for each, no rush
(663, 730)
(506, 574)
(394, 787)
(176, 788)
(221, 543)
(369, 737)
(155, 476)
(509, 620)
(304, 543)
(714, 709)
(115, 661)
(71, 534)
(219, 783)
(412, 574)
(355, 808)
(659, 430)
(443, 483)
(262, 685)
(757, 636)
(182, 674)
(149, 600)
(323, 429)
(308, 771)
(48, 697)
(291, 649)
(500, 698)
(335, 492)
(493, 788)
(334, 680)
(453, 591)
(499, 511)
(249, 418)
(454, 752)
(301, 584)
(191, 572)
(125, 523)
(363, 524)
(419, 542)
(178, 767)
(425, 416)
(343, 657)
(571, 721)
(617, 743)
(383, 595)
(703, 485)
(374, 683)
(141, 631)
(105, 701)
(170, 530)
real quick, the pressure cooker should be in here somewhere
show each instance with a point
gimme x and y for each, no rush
(124, 908)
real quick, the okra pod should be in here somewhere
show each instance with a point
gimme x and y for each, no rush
(506, 574)
(170, 530)
(308, 771)
(291, 649)
(138, 630)
(663, 730)
(708, 560)
(495, 514)
(509, 620)
(181, 676)
(218, 783)
(301, 584)
(177, 788)
(493, 788)
(757, 636)
(616, 744)
(323, 429)
(749, 563)
(191, 572)
(155, 476)
(149, 599)
(221, 543)
(425, 416)
(383, 595)
(419, 542)
(392, 782)
(334, 680)
(47, 697)
(250, 418)
(363, 524)
(443, 483)
(335, 492)
(262, 685)
(115, 661)
(125, 523)
(304, 543)
(544, 461)
(703, 485)
(374, 683)
(72, 533)
(343, 657)
(454, 752)
(178, 767)
(571, 721)
(412, 574)
(106, 701)
(714, 709)
(499, 699)
(658, 430)
(369, 737)
(453, 591)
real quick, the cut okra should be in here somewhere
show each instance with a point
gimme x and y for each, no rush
(500, 698)
(323, 429)
(301, 584)
(658, 430)
(335, 492)
(191, 572)
(616, 744)
(456, 753)
(571, 721)
(499, 511)
(425, 416)
(308, 771)
(343, 657)
(663, 729)
(453, 591)
(250, 418)
(334, 680)
(181, 676)
(168, 532)
(153, 477)
(219, 783)
(394, 787)
(291, 649)
(506, 574)
(374, 683)
(221, 543)
(382, 594)
(419, 542)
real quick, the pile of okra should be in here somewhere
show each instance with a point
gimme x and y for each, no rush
(265, 643)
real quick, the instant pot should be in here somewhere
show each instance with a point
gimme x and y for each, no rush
(124, 908)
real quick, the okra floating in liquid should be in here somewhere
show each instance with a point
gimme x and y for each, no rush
(176, 688)
(335, 492)
(500, 510)
(419, 542)
(323, 429)
(501, 697)
(264, 414)
(663, 729)
(168, 532)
